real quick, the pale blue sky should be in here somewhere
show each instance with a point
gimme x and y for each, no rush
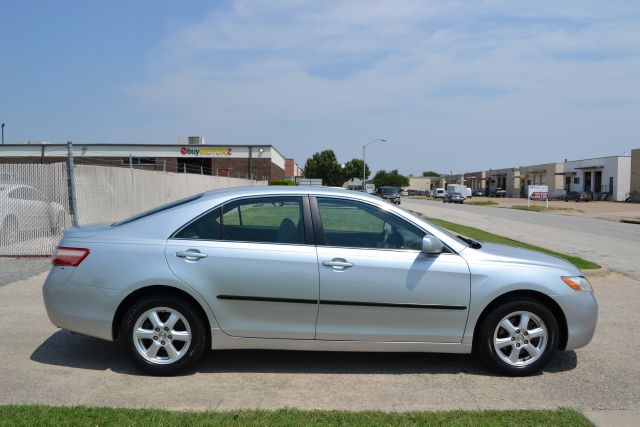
(453, 85)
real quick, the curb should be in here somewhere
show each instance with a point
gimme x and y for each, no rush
(601, 272)
(630, 221)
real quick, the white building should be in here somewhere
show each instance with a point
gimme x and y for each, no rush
(608, 178)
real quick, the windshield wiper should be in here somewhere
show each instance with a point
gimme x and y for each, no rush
(470, 242)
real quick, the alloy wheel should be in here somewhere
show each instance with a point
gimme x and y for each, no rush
(520, 338)
(162, 335)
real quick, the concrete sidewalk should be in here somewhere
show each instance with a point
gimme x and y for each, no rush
(613, 418)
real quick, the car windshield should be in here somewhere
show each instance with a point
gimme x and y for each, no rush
(156, 210)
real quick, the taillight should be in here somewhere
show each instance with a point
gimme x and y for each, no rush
(69, 256)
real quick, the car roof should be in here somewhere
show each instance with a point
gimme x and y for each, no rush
(276, 189)
(271, 190)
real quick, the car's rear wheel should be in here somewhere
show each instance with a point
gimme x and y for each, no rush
(10, 230)
(518, 337)
(163, 334)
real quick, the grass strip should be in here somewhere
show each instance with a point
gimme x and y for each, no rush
(29, 415)
(538, 208)
(484, 236)
(481, 203)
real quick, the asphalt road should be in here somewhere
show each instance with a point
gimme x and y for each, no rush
(611, 244)
(41, 364)
(14, 269)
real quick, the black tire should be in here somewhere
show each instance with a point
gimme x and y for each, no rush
(198, 334)
(57, 224)
(10, 230)
(485, 349)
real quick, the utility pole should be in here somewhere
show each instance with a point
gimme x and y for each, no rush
(72, 185)
(364, 164)
(3, 133)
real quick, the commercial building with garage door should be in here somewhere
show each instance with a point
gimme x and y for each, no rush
(606, 178)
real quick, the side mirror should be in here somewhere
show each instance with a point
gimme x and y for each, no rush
(432, 245)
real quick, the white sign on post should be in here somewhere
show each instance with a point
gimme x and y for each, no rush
(538, 192)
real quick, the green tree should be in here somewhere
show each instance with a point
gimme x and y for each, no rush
(392, 179)
(430, 173)
(325, 166)
(353, 169)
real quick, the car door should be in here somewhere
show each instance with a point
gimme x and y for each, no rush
(376, 284)
(24, 208)
(254, 261)
(41, 209)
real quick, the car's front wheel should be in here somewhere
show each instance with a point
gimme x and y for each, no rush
(163, 334)
(518, 337)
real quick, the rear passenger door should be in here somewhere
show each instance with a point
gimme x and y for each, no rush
(254, 261)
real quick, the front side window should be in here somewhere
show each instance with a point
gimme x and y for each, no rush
(265, 219)
(353, 224)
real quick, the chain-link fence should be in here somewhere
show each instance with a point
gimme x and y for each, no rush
(35, 202)
(33, 207)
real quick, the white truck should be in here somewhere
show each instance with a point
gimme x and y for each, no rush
(457, 188)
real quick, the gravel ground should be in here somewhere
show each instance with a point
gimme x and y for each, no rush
(14, 269)
(42, 364)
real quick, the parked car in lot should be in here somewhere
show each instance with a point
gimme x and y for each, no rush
(26, 211)
(498, 192)
(308, 268)
(578, 196)
(453, 198)
(404, 193)
(389, 194)
(439, 193)
(478, 193)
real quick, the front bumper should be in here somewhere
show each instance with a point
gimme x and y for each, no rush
(83, 309)
(581, 312)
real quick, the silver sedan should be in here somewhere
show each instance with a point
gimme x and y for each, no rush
(311, 269)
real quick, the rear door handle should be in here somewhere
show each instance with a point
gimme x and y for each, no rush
(338, 264)
(191, 254)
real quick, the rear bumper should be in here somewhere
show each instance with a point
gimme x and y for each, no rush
(581, 311)
(82, 309)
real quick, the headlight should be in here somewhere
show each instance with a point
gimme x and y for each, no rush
(577, 283)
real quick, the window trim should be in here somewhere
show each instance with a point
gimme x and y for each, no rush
(319, 228)
(306, 218)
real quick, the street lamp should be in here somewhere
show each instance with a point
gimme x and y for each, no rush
(3, 133)
(364, 164)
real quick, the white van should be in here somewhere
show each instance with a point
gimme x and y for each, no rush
(439, 194)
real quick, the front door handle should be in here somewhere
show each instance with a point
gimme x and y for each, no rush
(338, 264)
(191, 254)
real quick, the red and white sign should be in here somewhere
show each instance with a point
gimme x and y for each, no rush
(538, 192)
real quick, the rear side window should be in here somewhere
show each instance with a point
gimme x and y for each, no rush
(207, 227)
(158, 209)
(265, 219)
